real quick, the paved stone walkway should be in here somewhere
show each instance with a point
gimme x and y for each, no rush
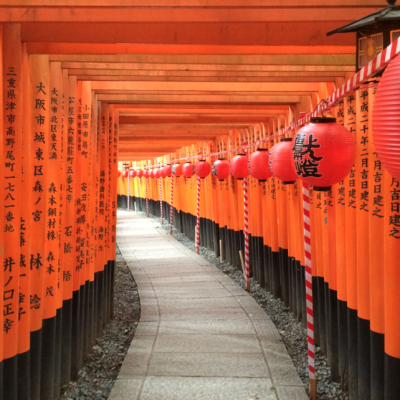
(200, 336)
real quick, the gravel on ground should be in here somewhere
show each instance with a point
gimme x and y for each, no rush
(102, 365)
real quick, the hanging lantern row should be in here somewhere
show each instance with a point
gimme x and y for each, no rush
(321, 154)
(279, 161)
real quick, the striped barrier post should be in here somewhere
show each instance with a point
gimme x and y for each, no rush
(246, 234)
(198, 216)
(161, 207)
(127, 203)
(309, 294)
(147, 198)
(172, 203)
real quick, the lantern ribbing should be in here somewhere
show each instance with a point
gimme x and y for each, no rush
(172, 203)
(198, 216)
(161, 207)
(309, 293)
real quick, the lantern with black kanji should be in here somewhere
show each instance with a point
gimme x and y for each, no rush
(203, 169)
(125, 174)
(386, 119)
(188, 170)
(238, 166)
(259, 165)
(132, 173)
(323, 153)
(177, 170)
(139, 173)
(220, 169)
(280, 161)
(168, 170)
(146, 173)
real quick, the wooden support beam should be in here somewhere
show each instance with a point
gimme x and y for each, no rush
(281, 87)
(126, 120)
(227, 59)
(193, 3)
(234, 69)
(223, 33)
(193, 98)
(117, 48)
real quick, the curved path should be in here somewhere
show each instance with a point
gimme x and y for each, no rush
(200, 336)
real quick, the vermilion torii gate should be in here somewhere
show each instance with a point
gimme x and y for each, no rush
(89, 83)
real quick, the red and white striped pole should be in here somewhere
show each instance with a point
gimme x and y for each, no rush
(127, 204)
(198, 216)
(246, 234)
(172, 203)
(161, 208)
(147, 198)
(312, 380)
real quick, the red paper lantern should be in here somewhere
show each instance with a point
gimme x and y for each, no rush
(156, 173)
(238, 166)
(386, 119)
(132, 173)
(323, 153)
(146, 173)
(151, 173)
(203, 169)
(139, 173)
(259, 165)
(188, 170)
(280, 162)
(177, 170)
(168, 170)
(119, 173)
(162, 172)
(220, 169)
(125, 174)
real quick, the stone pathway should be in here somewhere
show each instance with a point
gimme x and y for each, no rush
(200, 336)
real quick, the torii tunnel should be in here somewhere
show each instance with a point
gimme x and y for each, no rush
(95, 89)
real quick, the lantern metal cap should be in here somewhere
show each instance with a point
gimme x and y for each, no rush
(286, 139)
(323, 120)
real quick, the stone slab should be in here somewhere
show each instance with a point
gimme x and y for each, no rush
(208, 327)
(126, 389)
(183, 388)
(201, 343)
(280, 364)
(292, 393)
(193, 314)
(208, 364)
(219, 302)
